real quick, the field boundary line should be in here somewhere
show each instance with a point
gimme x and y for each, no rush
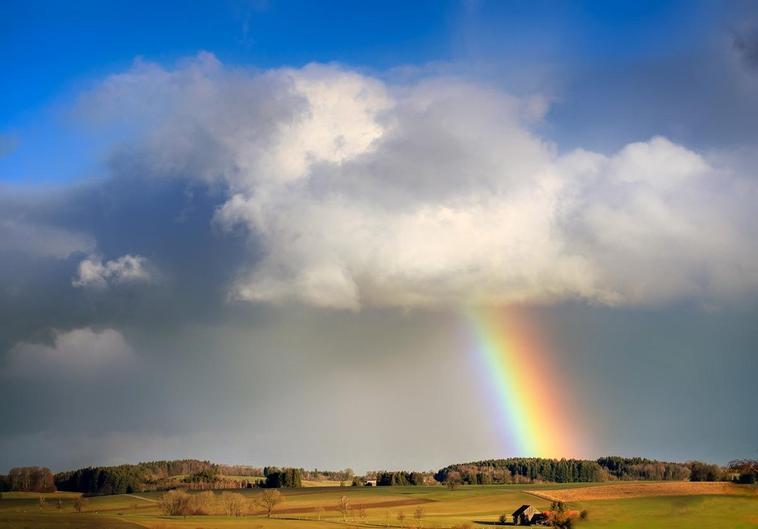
(141, 498)
(540, 495)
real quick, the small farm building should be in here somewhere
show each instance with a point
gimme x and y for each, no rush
(524, 514)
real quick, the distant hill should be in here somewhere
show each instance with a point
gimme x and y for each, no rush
(158, 475)
(189, 474)
(532, 469)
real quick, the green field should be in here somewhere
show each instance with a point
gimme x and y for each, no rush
(316, 508)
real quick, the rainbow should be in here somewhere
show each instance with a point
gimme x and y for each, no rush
(531, 416)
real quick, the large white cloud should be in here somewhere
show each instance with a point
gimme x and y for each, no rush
(78, 352)
(363, 192)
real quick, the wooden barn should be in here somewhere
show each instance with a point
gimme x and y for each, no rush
(524, 514)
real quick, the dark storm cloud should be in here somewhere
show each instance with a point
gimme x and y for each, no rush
(166, 221)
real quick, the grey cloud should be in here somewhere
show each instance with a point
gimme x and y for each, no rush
(746, 44)
(40, 240)
(215, 390)
(75, 352)
(168, 222)
(703, 97)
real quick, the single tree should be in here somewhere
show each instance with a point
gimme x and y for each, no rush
(559, 516)
(269, 499)
(344, 507)
(80, 503)
(176, 503)
(451, 484)
(418, 514)
(233, 503)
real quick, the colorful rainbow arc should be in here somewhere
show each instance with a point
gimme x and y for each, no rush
(530, 414)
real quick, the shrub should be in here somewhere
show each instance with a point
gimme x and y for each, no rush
(181, 503)
(234, 503)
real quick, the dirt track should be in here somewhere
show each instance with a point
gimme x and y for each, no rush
(637, 490)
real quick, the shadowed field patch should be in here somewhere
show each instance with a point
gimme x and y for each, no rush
(366, 505)
(21, 520)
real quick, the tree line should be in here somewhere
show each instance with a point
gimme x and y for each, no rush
(401, 478)
(28, 479)
(531, 469)
(744, 471)
(122, 479)
(203, 475)
(154, 475)
(282, 477)
(158, 475)
(522, 470)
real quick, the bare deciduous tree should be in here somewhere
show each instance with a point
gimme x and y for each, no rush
(233, 503)
(80, 503)
(175, 503)
(344, 507)
(418, 514)
(269, 499)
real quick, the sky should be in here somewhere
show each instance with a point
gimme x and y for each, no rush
(377, 235)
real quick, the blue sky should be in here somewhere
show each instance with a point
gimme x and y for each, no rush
(223, 195)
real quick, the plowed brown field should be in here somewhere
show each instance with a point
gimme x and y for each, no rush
(637, 490)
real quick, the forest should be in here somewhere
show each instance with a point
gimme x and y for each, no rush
(204, 475)
(533, 469)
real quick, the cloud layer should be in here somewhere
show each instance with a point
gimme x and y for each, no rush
(78, 352)
(245, 201)
(362, 192)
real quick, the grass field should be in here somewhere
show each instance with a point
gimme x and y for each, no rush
(316, 508)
